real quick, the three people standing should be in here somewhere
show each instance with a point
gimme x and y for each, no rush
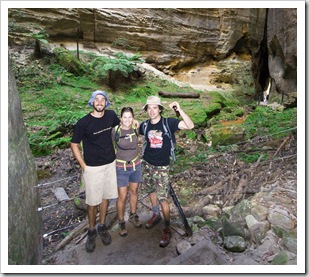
(109, 172)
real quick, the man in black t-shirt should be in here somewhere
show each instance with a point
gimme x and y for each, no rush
(97, 162)
(156, 159)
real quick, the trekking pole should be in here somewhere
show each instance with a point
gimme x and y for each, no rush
(183, 217)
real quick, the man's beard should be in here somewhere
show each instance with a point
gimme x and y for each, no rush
(99, 109)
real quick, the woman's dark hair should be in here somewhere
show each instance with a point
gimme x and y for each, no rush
(126, 109)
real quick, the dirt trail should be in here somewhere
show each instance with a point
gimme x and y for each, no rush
(141, 247)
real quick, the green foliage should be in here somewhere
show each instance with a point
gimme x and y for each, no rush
(32, 79)
(122, 63)
(265, 121)
(191, 135)
(226, 99)
(51, 115)
(213, 109)
(239, 112)
(54, 99)
(142, 92)
(251, 157)
(41, 37)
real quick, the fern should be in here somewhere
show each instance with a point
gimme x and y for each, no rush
(122, 63)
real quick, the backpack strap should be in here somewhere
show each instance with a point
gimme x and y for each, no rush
(135, 131)
(144, 128)
(167, 130)
(118, 137)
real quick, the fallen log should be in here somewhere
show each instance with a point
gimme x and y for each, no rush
(179, 94)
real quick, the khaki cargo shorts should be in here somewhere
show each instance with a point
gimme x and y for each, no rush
(100, 183)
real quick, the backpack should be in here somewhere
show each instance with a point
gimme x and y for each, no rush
(167, 132)
(118, 137)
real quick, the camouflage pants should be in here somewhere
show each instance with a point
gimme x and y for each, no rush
(155, 179)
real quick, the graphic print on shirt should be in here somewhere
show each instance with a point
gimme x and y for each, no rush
(155, 138)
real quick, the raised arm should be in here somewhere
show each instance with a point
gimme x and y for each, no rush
(186, 123)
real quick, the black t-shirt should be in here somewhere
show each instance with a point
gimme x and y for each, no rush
(158, 148)
(95, 134)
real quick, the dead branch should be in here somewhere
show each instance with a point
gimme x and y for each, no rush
(179, 94)
(178, 230)
(214, 188)
(83, 225)
(283, 143)
(198, 206)
(230, 187)
(239, 192)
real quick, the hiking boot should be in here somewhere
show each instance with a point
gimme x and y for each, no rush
(166, 237)
(105, 236)
(122, 229)
(153, 220)
(134, 219)
(91, 237)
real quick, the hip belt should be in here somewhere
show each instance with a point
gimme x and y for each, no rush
(128, 162)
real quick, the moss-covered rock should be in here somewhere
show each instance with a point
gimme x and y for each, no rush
(235, 243)
(240, 211)
(69, 61)
(233, 229)
(213, 109)
(239, 112)
(280, 259)
(226, 135)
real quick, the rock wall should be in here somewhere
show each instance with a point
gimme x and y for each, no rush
(186, 35)
(24, 221)
(175, 39)
(282, 53)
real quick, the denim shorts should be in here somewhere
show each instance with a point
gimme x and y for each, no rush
(129, 176)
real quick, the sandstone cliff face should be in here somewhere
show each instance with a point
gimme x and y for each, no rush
(190, 33)
(282, 48)
(174, 39)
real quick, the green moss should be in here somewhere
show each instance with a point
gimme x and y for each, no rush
(251, 157)
(280, 259)
(53, 99)
(239, 112)
(213, 109)
(226, 135)
(264, 121)
(191, 135)
(226, 99)
(70, 62)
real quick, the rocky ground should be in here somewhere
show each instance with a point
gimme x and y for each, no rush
(273, 182)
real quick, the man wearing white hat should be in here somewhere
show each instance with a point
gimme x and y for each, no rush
(159, 134)
(97, 162)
